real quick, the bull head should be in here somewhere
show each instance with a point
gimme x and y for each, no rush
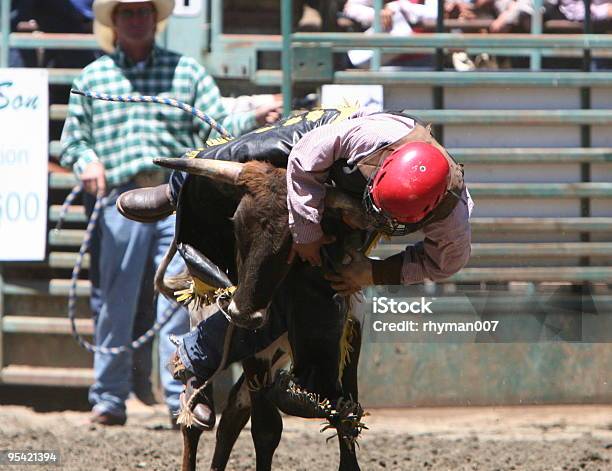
(261, 229)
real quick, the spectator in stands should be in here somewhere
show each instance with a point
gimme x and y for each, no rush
(396, 18)
(399, 17)
(316, 15)
(76, 17)
(573, 10)
(110, 147)
(415, 12)
(22, 21)
(362, 12)
(508, 15)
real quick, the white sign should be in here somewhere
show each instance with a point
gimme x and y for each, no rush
(333, 96)
(187, 7)
(24, 122)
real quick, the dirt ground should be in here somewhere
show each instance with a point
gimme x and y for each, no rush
(502, 438)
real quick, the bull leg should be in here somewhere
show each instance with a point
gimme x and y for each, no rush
(266, 430)
(266, 421)
(235, 416)
(191, 437)
(348, 454)
(348, 457)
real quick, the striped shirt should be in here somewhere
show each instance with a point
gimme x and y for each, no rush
(573, 10)
(125, 137)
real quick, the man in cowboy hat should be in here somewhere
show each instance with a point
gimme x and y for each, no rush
(110, 147)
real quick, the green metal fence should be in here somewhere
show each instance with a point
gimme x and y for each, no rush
(308, 55)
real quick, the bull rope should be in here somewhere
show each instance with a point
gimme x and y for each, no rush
(101, 201)
(162, 101)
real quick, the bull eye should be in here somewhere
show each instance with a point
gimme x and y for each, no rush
(422, 168)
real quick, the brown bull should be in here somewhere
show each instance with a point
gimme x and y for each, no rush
(317, 320)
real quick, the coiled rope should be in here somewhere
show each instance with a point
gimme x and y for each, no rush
(72, 294)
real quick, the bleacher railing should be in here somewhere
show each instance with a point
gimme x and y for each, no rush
(319, 47)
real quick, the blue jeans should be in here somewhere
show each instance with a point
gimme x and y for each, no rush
(201, 350)
(128, 251)
(142, 361)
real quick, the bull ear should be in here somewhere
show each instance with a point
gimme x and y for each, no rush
(217, 170)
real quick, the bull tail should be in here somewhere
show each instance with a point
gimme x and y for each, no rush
(160, 284)
(345, 343)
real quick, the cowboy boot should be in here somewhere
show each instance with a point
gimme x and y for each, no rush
(146, 204)
(203, 413)
(204, 409)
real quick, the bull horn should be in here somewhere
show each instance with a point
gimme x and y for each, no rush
(217, 170)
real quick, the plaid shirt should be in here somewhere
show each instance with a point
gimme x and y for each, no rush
(127, 136)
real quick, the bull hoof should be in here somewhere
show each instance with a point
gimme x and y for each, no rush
(346, 419)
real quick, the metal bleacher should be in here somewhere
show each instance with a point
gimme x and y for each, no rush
(537, 162)
(503, 250)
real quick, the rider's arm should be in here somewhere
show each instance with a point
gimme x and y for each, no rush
(311, 158)
(444, 251)
(307, 169)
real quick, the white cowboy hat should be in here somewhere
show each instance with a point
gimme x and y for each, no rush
(106, 36)
(103, 9)
(103, 23)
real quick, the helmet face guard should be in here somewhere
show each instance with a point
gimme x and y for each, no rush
(383, 221)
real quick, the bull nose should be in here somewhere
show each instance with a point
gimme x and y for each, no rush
(258, 319)
(251, 321)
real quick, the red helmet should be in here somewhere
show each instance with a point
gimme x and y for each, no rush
(411, 182)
